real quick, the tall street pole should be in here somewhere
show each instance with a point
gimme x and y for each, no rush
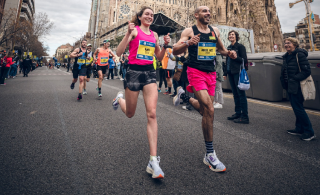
(309, 20)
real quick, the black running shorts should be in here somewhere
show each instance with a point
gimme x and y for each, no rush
(169, 73)
(89, 72)
(136, 79)
(102, 68)
(76, 72)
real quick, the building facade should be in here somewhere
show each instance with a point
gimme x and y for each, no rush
(25, 8)
(259, 15)
(302, 33)
(63, 50)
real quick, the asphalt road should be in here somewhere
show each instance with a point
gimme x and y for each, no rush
(52, 144)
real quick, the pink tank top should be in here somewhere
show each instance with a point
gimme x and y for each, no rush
(142, 48)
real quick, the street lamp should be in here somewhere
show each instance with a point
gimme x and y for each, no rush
(308, 9)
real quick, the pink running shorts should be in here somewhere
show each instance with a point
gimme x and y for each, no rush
(201, 81)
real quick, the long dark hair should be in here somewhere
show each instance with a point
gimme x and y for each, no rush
(135, 18)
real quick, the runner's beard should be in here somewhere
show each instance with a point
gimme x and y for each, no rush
(203, 21)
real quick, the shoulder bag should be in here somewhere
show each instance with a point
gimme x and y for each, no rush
(307, 86)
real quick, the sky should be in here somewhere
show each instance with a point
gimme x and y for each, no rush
(71, 18)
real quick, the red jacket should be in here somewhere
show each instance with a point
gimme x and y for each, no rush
(9, 62)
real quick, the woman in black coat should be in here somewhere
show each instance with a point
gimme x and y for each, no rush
(290, 80)
(232, 70)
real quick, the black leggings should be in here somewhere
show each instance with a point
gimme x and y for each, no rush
(162, 74)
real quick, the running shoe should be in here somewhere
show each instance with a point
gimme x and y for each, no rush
(213, 162)
(99, 93)
(176, 99)
(115, 102)
(84, 92)
(72, 86)
(79, 97)
(217, 105)
(166, 93)
(154, 169)
(159, 90)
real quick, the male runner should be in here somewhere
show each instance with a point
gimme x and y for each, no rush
(202, 41)
(89, 69)
(79, 67)
(102, 61)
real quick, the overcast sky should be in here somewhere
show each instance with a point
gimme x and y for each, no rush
(71, 18)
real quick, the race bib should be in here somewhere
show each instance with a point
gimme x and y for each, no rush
(81, 61)
(206, 51)
(104, 60)
(146, 50)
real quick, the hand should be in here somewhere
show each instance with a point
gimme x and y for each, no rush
(167, 39)
(79, 54)
(232, 54)
(130, 27)
(194, 40)
(224, 77)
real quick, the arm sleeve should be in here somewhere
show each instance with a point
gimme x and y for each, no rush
(242, 53)
(305, 68)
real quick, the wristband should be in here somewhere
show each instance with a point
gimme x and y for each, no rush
(186, 42)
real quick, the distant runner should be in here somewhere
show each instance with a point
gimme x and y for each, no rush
(79, 67)
(102, 61)
(89, 69)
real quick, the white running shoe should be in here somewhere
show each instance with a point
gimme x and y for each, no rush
(121, 79)
(217, 105)
(213, 162)
(84, 92)
(154, 169)
(115, 102)
(176, 99)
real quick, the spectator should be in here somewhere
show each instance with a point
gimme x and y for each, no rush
(290, 80)
(111, 66)
(233, 67)
(218, 97)
(168, 64)
(163, 71)
(14, 67)
(26, 65)
(5, 68)
(125, 66)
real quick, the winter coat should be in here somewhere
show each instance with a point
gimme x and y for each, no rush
(236, 63)
(290, 75)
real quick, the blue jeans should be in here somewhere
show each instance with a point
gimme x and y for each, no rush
(239, 96)
(124, 71)
(13, 71)
(303, 123)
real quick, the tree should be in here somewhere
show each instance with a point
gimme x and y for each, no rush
(29, 36)
(10, 27)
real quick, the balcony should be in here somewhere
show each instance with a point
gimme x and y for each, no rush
(24, 16)
(26, 8)
(30, 4)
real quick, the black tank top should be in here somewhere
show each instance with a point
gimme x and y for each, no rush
(83, 58)
(203, 55)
